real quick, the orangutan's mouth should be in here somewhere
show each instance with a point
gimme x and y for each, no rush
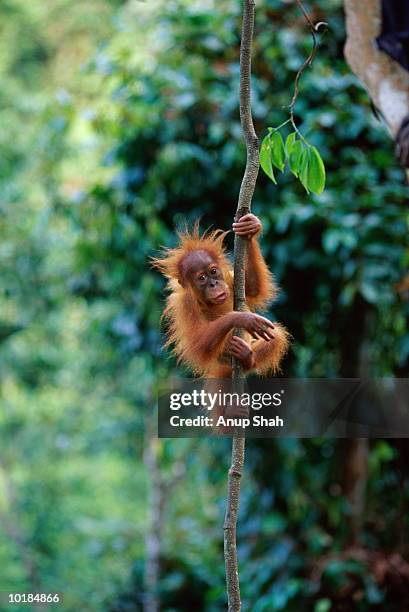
(220, 297)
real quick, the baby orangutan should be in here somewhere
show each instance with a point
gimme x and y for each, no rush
(200, 305)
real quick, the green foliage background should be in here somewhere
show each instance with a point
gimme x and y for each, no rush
(119, 122)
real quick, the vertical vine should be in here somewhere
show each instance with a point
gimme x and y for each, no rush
(243, 207)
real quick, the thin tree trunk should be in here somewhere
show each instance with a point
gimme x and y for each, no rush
(355, 481)
(154, 531)
(13, 529)
(357, 359)
(243, 207)
(160, 490)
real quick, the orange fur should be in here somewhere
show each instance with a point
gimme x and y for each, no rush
(212, 242)
(191, 321)
(267, 289)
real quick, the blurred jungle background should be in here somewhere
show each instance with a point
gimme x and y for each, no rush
(119, 120)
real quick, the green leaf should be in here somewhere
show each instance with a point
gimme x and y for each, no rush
(304, 162)
(369, 292)
(384, 451)
(265, 158)
(289, 142)
(295, 157)
(347, 294)
(322, 605)
(331, 240)
(277, 150)
(315, 172)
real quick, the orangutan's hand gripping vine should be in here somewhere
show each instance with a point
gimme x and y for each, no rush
(200, 305)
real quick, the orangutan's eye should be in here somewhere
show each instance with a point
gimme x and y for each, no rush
(202, 277)
(213, 271)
